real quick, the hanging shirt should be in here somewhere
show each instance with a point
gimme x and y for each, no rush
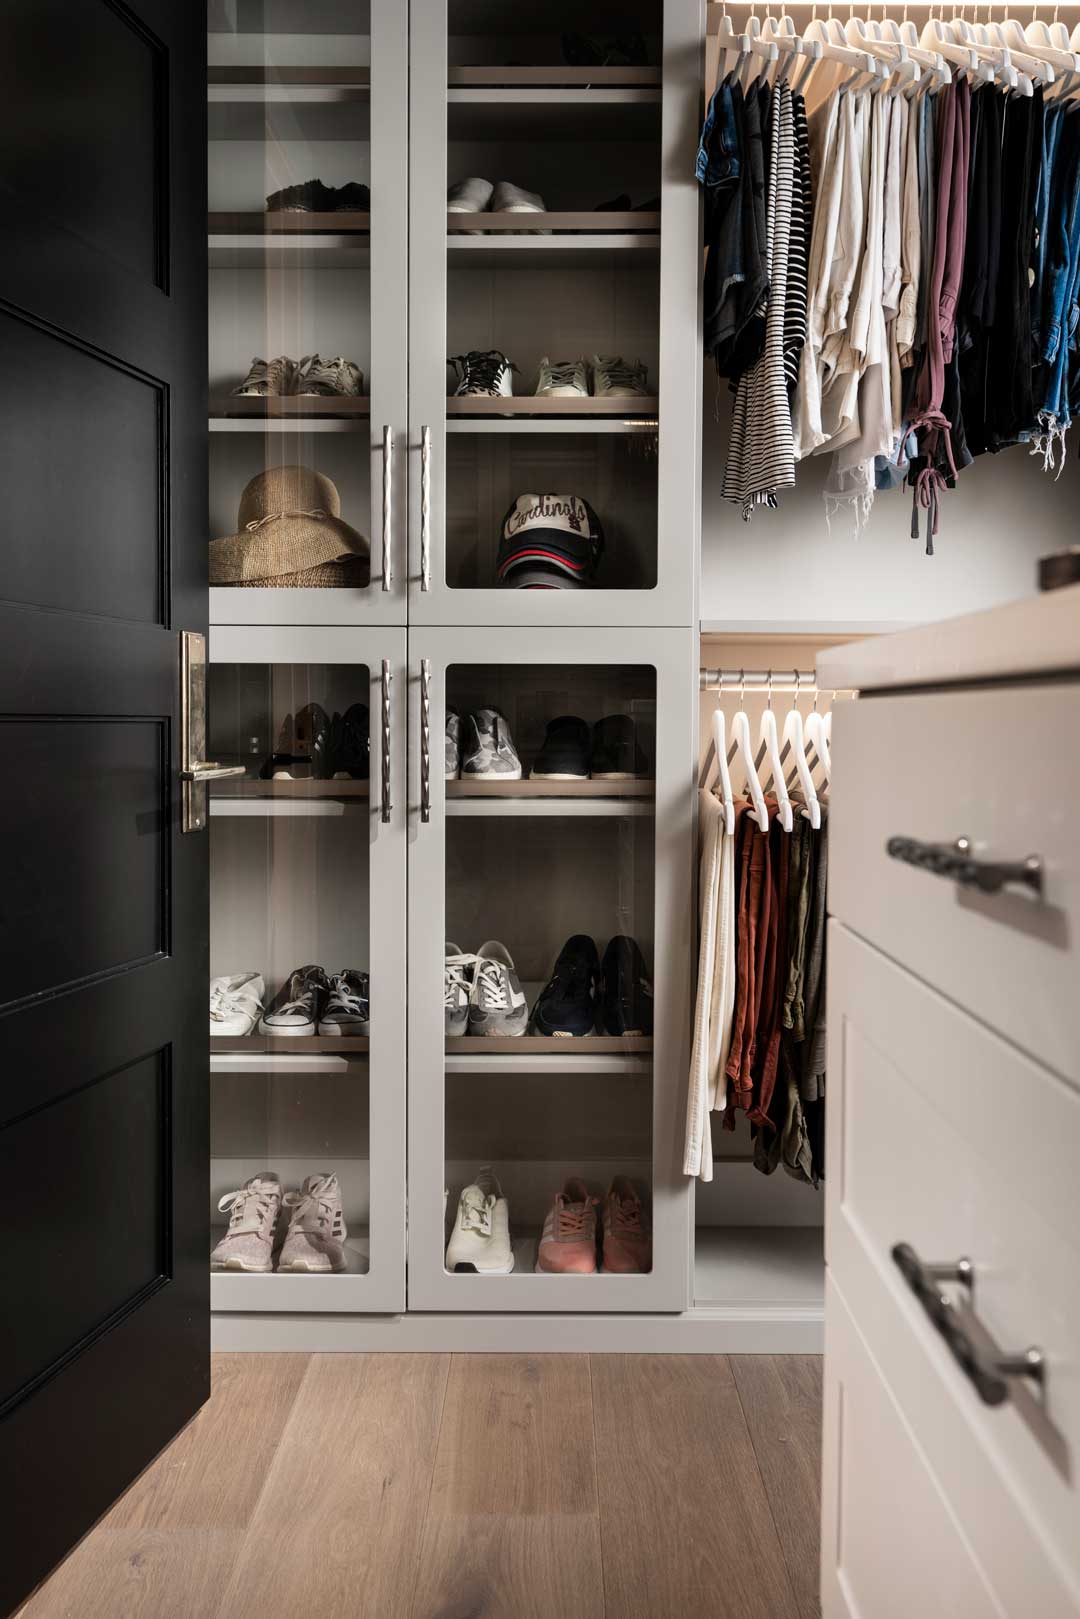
(825, 134)
(715, 1003)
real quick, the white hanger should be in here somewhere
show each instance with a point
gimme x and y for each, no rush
(892, 54)
(817, 736)
(794, 743)
(789, 43)
(770, 748)
(720, 743)
(936, 70)
(1033, 63)
(742, 745)
(989, 48)
(937, 36)
(1051, 44)
(861, 62)
(747, 45)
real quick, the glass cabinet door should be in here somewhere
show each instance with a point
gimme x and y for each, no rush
(307, 179)
(547, 781)
(553, 451)
(307, 958)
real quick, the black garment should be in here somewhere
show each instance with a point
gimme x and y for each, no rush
(982, 261)
(736, 283)
(1010, 402)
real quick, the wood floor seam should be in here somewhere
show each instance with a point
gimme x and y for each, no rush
(596, 1485)
(415, 1582)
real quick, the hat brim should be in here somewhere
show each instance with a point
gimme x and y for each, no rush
(285, 545)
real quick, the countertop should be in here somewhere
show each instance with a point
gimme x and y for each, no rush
(1037, 636)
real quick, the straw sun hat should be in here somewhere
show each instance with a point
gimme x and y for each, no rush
(291, 534)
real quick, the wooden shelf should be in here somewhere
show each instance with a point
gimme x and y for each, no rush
(251, 787)
(626, 1065)
(342, 222)
(288, 1045)
(593, 222)
(529, 405)
(286, 424)
(570, 799)
(566, 1051)
(551, 424)
(556, 76)
(289, 407)
(262, 74)
(550, 789)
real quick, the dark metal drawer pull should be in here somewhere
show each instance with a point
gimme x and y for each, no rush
(956, 861)
(989, 1369)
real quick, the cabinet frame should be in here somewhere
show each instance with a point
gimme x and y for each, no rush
(667, 1287)
(673, 599)
(382, 1289)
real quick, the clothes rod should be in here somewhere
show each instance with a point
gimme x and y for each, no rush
(757, 679)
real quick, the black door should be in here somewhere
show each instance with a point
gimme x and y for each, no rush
(104, 1319)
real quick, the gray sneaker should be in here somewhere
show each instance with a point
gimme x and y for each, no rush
(329, 379)
(248, 1244)
(452, 757)
(488, 752)
(457, 988)
(317, 1232)
(508, 198)
(497, 1003)
(268, 378)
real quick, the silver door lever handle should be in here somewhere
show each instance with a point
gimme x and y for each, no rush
(206, 770)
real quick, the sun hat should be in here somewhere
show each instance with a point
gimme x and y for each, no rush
(290, 533)
(549, 542)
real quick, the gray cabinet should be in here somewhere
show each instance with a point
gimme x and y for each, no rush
(377, 873)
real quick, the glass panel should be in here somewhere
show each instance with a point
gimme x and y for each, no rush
(550, 872)
(553, 295)
(289, 951)
(289, 235)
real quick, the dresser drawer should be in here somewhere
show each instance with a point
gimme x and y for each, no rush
(1000, 768)
(944, 1137)
(891, 1547)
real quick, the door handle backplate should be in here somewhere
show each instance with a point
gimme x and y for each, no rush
(195, 770)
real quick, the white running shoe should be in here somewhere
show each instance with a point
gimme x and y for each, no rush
(614, 378)
(235, 1003)
(472, 196)
(497, 1004)
(507, 198)
(248, 1244)
(457, 988)
(562, 379)
(480, 1240)
(317, 1231)
(483, 373)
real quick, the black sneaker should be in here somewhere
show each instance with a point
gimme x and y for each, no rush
(620, 50)
(344, 754)
(626, 995)
(565, 753)
(301, 746)
(312, 197)
(567, 1004)
(616, 755)
(298, 1004)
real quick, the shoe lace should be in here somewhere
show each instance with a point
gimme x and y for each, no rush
(481, 370)
(313, 1209)
(476, 1211)
(224, 1001)
(493, 985)
(343, 998)
(625, 1216)
(574, 1219)
(247, 1208)
(621, 373)
(299, 1003)
(456, 978)
(562, 373)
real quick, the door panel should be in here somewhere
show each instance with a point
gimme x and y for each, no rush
(297, 92)
(578, 283)
(532, 863)
(102, 1050)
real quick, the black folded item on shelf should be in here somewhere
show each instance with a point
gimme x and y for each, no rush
(313, 197)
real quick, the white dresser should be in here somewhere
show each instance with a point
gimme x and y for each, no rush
(951, 1452)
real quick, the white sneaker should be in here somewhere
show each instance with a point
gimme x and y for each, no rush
(507, 198)
(317, 1231)
(248, 1244)
(235, 1003)
(485, 373)
(457, 988)
(480, 1240)
(562, 379)
(614, 378)
(472, 196)
(497, 1004)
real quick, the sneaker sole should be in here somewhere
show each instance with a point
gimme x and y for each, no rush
(559, 775)
(618, 775)
(304, 1029)
(466, 1269)
(312, 1270)
(538, 1270)
(560, 1034)
(491, 775)
(238, 1264)
(351, 1029)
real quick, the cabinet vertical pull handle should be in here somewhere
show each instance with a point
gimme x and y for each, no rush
(425, 508)
(425, 739)
(387, 506)
(387, 677)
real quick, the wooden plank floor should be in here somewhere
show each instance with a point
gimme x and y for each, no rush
(471, 1487)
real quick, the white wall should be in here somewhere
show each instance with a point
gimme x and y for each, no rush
(785, 565)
